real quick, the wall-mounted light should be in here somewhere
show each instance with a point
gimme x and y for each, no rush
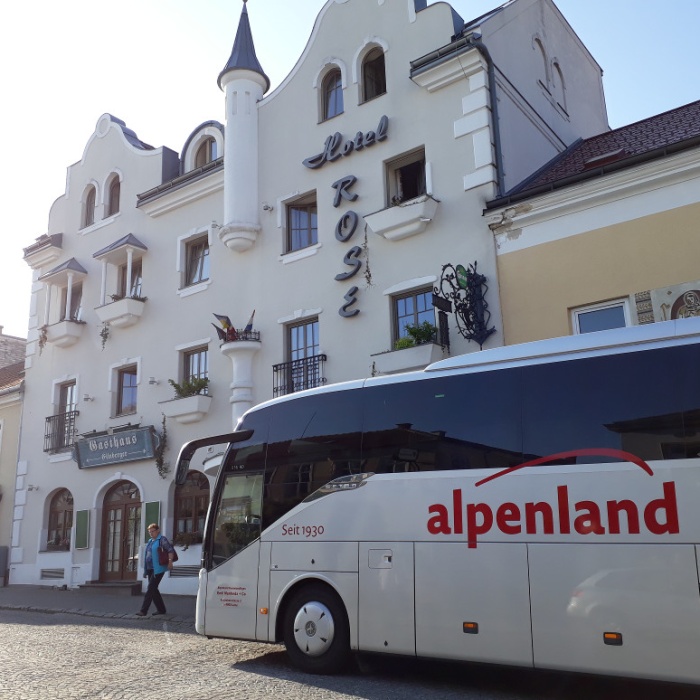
(32, 487)
(267, 207)
(153, 381)
(87, 397)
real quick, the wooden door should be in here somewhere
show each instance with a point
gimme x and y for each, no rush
(121, 525)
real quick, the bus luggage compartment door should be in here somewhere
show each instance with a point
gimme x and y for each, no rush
(473, 604)
(386, 598)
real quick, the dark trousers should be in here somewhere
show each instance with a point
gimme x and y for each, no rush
(153, 594)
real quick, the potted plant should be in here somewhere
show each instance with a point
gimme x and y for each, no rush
(419, 334)
(189, 387)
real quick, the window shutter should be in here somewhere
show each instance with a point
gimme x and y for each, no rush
(152, 513)
(82, 529)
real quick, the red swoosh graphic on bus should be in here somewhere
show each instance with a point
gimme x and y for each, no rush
(598, 452)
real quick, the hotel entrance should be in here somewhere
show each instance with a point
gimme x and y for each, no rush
(121, 525)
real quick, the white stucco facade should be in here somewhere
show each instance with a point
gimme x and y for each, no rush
(372, 246)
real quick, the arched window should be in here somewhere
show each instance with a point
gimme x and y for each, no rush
(191, 503)
(89, 211)
(558, 86)
(544, 66)
(206, 153)
(373, 75)
(332, 90)
(113, 197)
(60, 521)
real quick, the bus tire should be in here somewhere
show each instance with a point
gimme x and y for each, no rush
(316, 631)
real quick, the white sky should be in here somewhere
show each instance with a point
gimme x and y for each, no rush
(154, 64)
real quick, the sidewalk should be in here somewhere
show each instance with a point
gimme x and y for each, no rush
(91, 603)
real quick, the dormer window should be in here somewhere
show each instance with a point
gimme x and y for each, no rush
(373, 75)
(89, 207)
(332, 94)
(113, 195)
(206, 153)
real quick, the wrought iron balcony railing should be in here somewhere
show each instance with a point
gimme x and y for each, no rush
(59, 432)
(296, 375)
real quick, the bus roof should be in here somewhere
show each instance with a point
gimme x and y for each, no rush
(615, 341)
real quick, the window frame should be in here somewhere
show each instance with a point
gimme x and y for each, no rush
(89, 206)
(399, 188)
(308, 236)
(205, 153)
(60, 521)
(189, 359)
(332, 96)
(136, 279)
(126, 406)
(197, 268)
(370, 63)
(396, 316)
(113, 197)
(577, 312)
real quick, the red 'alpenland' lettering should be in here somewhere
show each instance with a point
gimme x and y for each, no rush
(591, 518)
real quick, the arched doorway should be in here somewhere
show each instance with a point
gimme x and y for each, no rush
(121, 526)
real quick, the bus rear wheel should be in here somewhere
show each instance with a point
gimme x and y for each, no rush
(316, 631)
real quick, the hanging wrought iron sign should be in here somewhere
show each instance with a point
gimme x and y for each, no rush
(464, 289)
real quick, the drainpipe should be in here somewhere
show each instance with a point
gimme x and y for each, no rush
(475, 41)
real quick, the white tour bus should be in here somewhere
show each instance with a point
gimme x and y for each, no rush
(534, 505)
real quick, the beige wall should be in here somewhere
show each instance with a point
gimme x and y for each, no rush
(10, 414)
(539, 285)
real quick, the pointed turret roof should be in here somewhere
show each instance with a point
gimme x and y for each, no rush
(243, 52)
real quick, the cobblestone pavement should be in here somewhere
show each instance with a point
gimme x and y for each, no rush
(68, 656)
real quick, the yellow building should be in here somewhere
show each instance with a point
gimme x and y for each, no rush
(606, 235)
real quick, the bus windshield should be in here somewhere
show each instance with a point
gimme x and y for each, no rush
(237, 515)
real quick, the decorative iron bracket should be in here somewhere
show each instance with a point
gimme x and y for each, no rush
(465, 289)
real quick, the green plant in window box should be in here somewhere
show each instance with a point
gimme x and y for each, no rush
(190, 387)
(419, 334)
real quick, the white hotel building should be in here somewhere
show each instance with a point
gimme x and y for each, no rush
(330, 205)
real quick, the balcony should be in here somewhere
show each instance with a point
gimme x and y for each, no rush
(59, 432)
(64, 333)
(297, 375)
(403, 220)
(123, 312)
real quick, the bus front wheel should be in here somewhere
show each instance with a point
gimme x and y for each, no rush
(316, 631)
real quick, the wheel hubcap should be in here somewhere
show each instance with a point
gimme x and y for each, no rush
(314, 628)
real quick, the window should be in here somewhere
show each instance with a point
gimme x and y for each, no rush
(113, 197)
(558, 86)
(60, 430)
(71, 308)
(206, 153)
(304, 367)
(132, 288)
(89, 211)
(196, 365)
(600, 317)
(302, 223)
(373, 75)
(332, 94)
(412, 309)
(60, 521)
(191, 503)
(126, 391)
(197, 265)
(406, 177)
(303, 340)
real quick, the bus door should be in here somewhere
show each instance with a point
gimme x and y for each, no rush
(233, 548)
